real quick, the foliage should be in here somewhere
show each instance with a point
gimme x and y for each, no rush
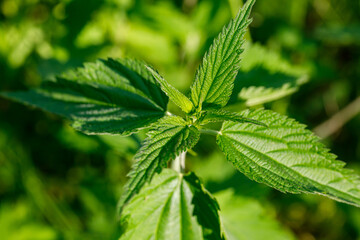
(168, 203)
(167, 139)
(287, 157)
(68, 183)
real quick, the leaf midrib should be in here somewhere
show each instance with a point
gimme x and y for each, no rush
(303, 177)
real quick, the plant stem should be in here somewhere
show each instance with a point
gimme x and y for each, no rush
(336, 122)
(210, 132)
(179, 163)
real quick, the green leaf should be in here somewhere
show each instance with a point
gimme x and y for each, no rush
(265, 76)
(287, 157)
(175, 96)
(167, 139)
(222, 115)
(245, 218)
(106, 97)
(168, 208)
(206, 209)
(215, 77)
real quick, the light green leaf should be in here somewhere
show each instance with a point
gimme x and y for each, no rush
(165, 209)
(245, 218)
(168, 138)
(287, 157)
(175, 96)
(222, 115)
(215, 77)
(106, 97)
(265, 76)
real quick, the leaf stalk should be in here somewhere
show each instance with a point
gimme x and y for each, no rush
(179, 163)
(210, 132)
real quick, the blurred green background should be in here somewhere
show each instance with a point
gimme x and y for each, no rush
(56, 183)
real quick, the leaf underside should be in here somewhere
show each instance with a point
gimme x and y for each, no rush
(287, 157)
(106, 97)
(165, 209)
(166, 140)
(215, 77)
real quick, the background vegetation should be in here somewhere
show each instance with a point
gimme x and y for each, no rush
(56, 183)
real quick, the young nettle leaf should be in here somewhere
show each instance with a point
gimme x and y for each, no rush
(106, 97)
(287, 157)
(173, 206)
(175, 96)
(166, 140)
(215, 77)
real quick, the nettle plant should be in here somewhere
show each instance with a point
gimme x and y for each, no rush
(123, 96)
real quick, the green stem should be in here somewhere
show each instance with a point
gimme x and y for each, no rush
(210, 132)
(179, 163)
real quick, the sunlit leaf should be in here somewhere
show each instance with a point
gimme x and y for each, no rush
(287, 157)
(215, 77)
(173, 206)
(106, 97)
(168, 138)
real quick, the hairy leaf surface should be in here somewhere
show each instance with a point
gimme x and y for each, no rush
(287, 157)
(175, 96)
(106, 97)
(215, 77)
(172, 206)
(168, 138)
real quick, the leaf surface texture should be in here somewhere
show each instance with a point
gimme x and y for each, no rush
(165, 209)
(166, 140)
(214, 80)
(287, 157)
(106, 97)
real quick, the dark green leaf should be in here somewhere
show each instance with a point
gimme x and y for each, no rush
(106, 97)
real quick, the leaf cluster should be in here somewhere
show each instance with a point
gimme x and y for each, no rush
(123, 96)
